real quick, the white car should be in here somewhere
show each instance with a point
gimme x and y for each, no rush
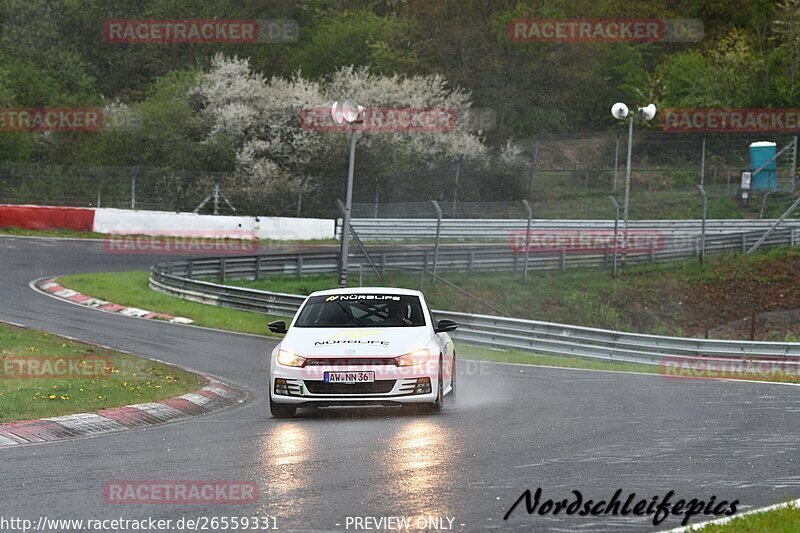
(364, 346)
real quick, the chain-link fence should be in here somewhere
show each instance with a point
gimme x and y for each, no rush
(160, 189)
(562, 176)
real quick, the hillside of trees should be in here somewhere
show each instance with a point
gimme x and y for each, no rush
(53, 54)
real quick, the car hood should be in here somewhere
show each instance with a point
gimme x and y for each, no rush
(356, 342)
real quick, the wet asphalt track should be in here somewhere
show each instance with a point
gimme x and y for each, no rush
(514, 428)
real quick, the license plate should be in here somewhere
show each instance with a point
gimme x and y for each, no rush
(349, 377)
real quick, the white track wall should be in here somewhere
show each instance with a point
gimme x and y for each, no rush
(124, 221)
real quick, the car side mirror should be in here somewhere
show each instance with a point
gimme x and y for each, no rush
(279, 326)
(445, 326)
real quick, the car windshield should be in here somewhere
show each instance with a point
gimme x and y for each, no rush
(361, 310)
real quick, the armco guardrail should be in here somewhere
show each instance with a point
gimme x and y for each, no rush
(175, 278)
(477, 258)
(394, 229)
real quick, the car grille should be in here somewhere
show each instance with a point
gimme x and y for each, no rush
(376, 387)
(351, 362)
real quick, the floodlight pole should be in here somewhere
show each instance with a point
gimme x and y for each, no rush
(627, 191)
(344, 250)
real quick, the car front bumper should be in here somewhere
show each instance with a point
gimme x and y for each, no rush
(405, 386)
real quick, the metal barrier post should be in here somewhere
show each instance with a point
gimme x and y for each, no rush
(616, 165)
(703, 165)
(794, 164)
(455, 189)
(529, 210)
(438, 234)
(133, 191)
(703, 227)
(616, 228)
(360, 244)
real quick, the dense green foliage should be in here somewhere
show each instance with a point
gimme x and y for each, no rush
(53, 53)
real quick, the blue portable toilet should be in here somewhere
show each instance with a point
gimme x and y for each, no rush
(760, 153)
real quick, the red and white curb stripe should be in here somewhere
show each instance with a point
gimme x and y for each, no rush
(52, 287)
(212, 397)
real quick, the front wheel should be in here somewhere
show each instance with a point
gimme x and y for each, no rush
(438, 403)
(281, 410)
(453, 389)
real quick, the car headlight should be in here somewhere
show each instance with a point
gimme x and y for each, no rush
(290, 359)
(420, 357)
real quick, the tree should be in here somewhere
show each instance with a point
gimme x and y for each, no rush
(787, 29)
(274, 154)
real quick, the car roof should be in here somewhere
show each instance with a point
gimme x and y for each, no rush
(368, 290)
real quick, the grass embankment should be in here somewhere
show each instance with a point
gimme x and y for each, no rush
(131, 288)
(44, 375)
(661, 295)
(60, 233)
(785, 520)
(679, 298)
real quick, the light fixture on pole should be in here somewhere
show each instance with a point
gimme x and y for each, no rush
(620, 112)
(350, 112)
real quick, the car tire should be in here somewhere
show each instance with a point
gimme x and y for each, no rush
(438, 404)
(453, 389)
(281, 410)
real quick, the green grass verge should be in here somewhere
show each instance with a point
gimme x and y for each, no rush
(115, 379)
(132, 289)
(51, 233)
(679, 298)
(786, 520)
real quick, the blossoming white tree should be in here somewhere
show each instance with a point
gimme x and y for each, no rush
(262, 120)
